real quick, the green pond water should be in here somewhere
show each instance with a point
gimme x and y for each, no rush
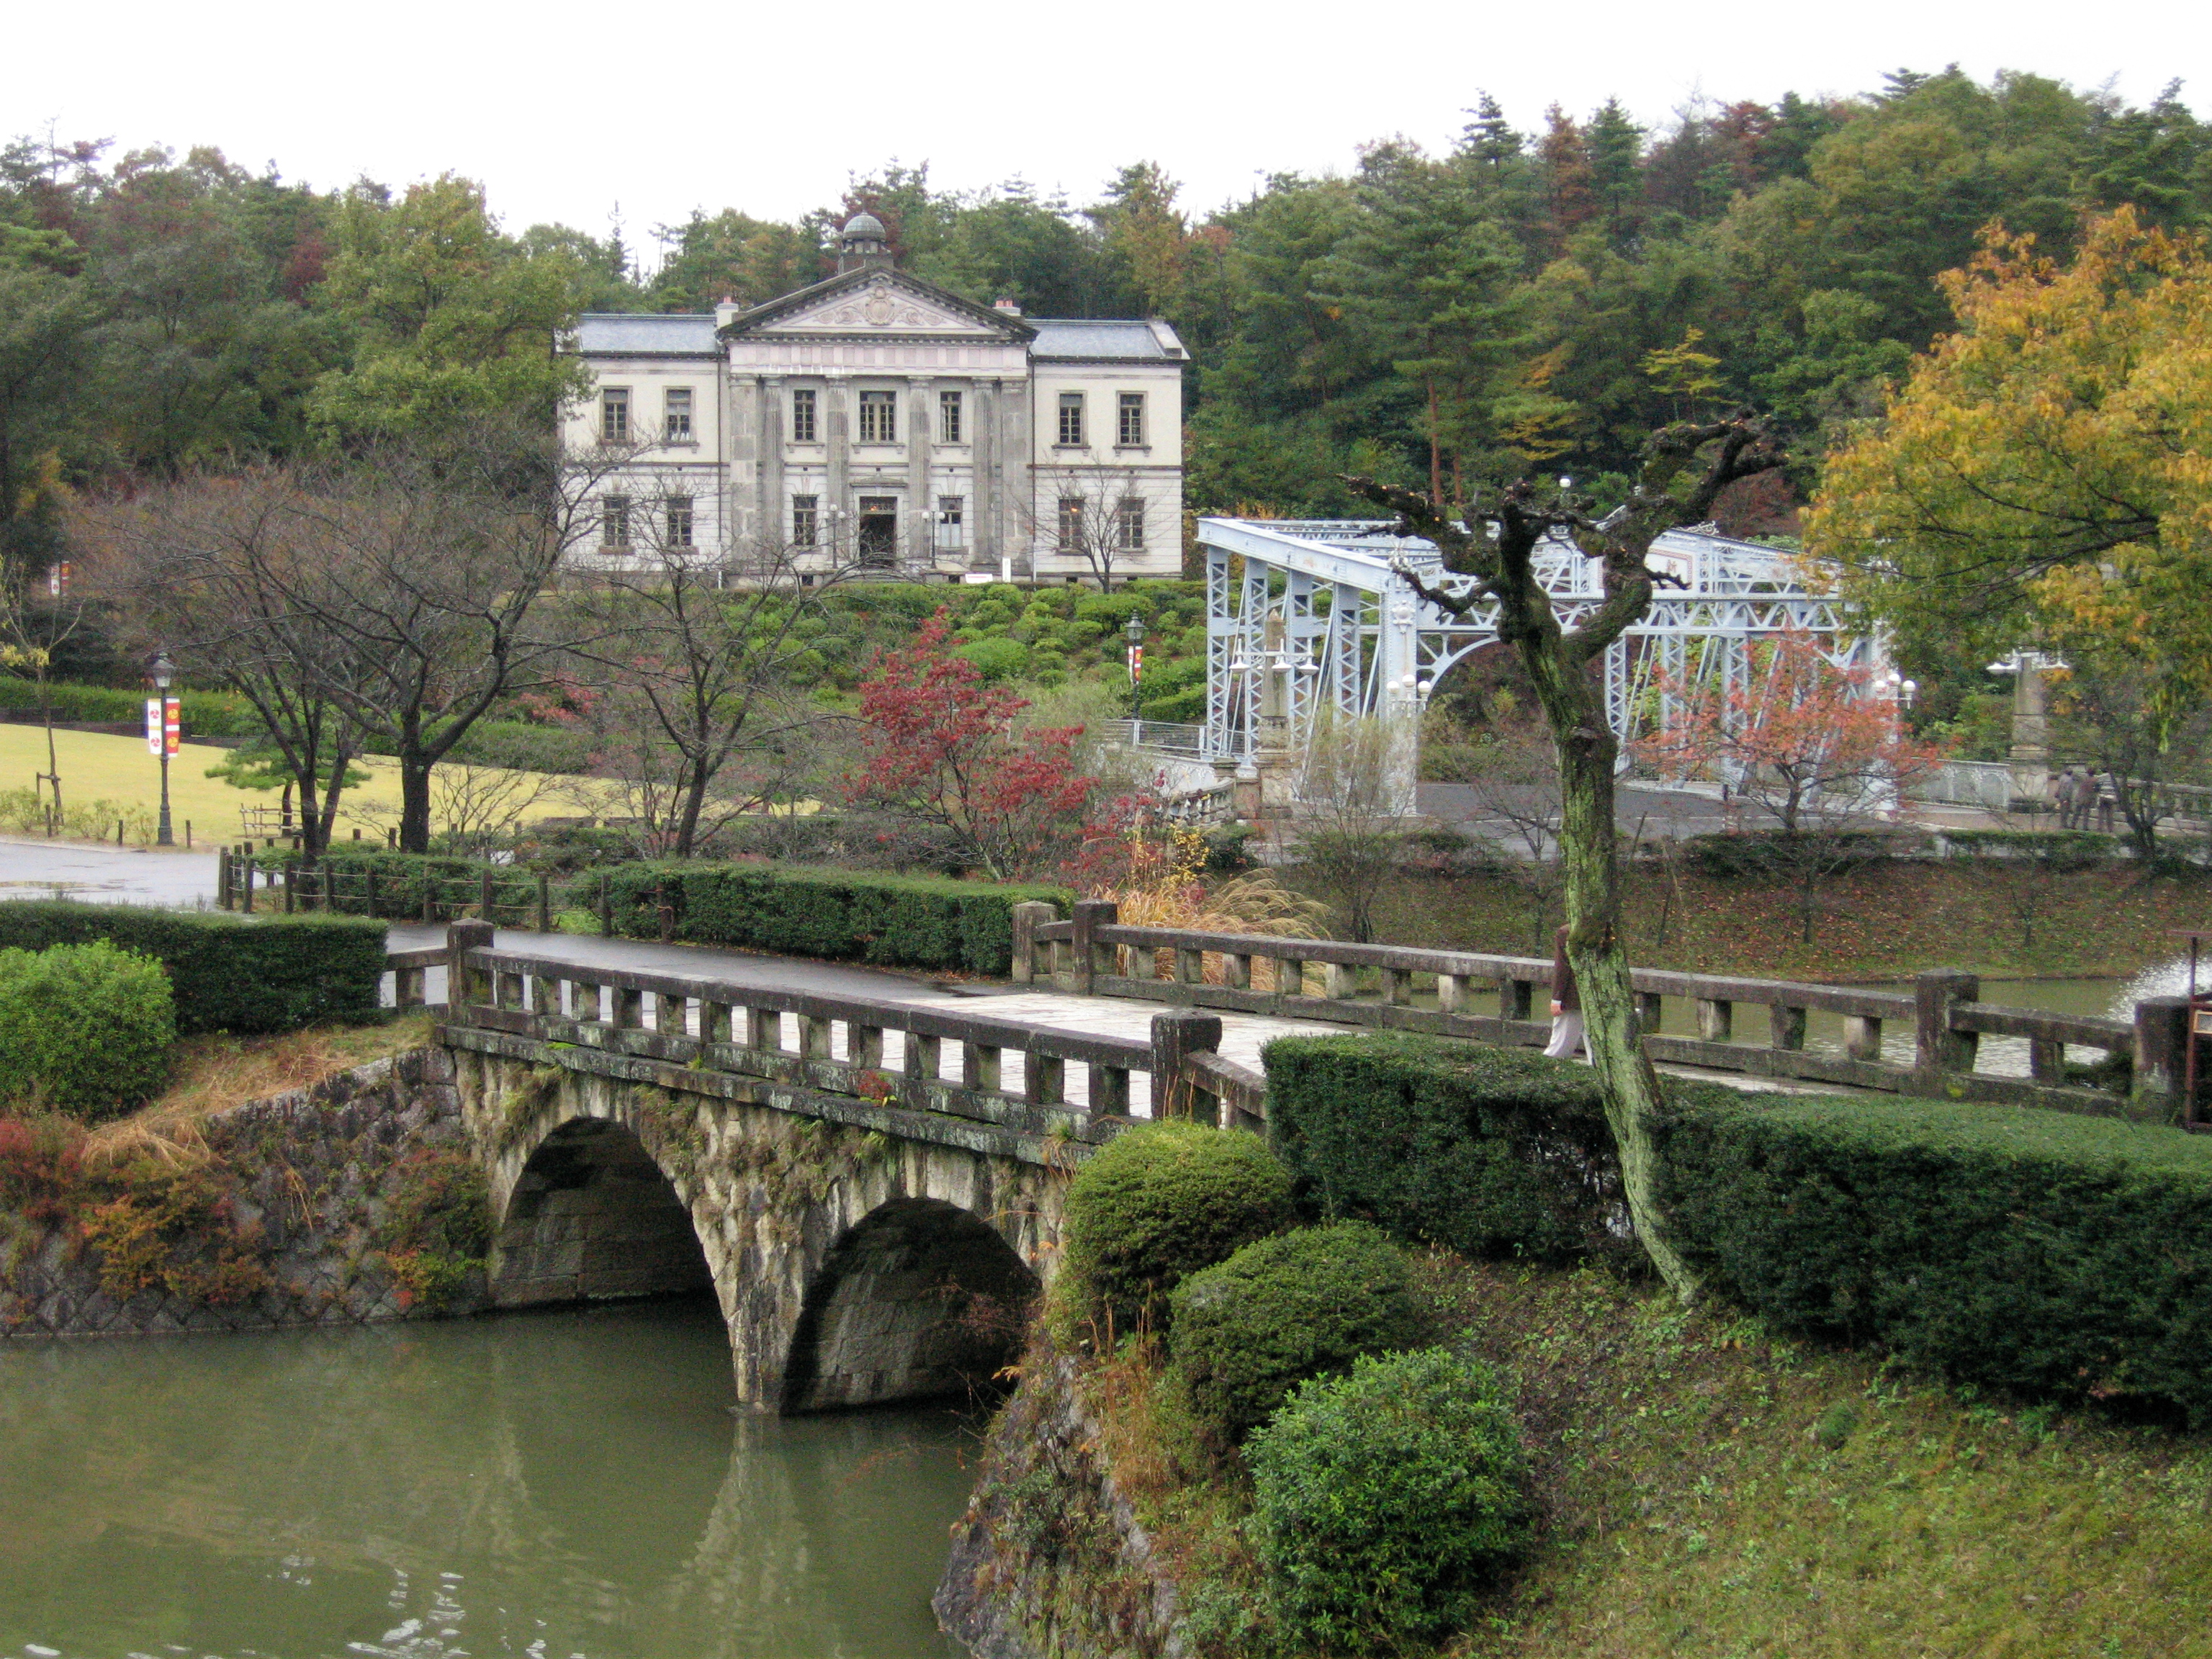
(546, 1485)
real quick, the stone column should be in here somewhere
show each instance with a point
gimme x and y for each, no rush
(771, 526)
(920, 432)
(835, 417)
(984, 538)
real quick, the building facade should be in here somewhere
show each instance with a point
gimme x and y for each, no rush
(875, 422)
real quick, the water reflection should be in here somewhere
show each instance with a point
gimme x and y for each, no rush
(555, 1485)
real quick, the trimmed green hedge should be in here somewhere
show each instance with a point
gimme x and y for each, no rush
(205, 713)
(1302, 1304)
(2041, 1252)
(906, 921)
(1489, 1150)
(2031, 1250)
(85, 1029)
(228, 973)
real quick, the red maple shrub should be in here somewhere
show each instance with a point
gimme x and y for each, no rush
(940, 748)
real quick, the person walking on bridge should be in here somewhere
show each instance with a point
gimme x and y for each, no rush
(1567, 1033)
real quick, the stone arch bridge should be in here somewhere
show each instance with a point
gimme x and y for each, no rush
(872, 1190)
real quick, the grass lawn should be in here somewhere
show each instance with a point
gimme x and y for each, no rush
(1709, 1491)
(95, 767)
(213, 1072)
(1888, 919)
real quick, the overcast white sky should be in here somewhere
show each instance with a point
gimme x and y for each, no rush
(565, 110)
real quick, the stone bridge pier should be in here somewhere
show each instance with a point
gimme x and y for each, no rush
(854, 1265)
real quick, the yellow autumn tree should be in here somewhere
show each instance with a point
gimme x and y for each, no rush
(2046, 468)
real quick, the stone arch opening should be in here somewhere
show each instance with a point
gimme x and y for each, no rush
(919, 1300)
(592, 1218)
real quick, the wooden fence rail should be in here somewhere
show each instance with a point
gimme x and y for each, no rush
(1405, 988)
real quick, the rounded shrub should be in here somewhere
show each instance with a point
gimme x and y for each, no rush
(84, 1028)
(1388, 1502)
(1155, 1204)
(1306, 1305)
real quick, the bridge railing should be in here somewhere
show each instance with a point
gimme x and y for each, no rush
(1408, 988)
(1038, 1078)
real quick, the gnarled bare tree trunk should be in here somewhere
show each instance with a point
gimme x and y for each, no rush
(1684, 469)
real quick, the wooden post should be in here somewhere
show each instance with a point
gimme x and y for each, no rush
(249, 878)
(1936, 1047)
(664, 912)
(544, 902)
(606, 910)
(222, 879)
(291, 884)
(483, 897)
(1175, 1035)
(1091, 957)
(429, 894)
(463, 983)
(188, 835)
(368, 890)
(1028, 917)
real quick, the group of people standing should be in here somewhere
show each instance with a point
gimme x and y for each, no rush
(2082, 792)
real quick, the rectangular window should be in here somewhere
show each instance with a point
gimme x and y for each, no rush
(802, 415)
(614, 521)
(805, 520)
(614, 415)
(675, 415)
(948, 417)
(680, 522)
(1070, 419)
(951, 523)
(879, 417)
(1129, 524)
(1130, 432)
(1071, 522)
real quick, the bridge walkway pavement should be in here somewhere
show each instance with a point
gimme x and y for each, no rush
(1243, 1035)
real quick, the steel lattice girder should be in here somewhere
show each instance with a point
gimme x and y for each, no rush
(1303, 614)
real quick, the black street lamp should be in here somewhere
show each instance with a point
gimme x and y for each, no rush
(1134, 633)
(165, 672)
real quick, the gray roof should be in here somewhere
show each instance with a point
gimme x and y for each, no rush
(1102, 338)
(619, 334)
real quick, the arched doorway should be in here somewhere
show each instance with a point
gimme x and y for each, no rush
(919, 1300)
(592, 1218)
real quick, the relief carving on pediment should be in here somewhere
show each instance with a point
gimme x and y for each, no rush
(882, 308)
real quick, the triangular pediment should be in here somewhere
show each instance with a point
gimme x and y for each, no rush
(881, 303)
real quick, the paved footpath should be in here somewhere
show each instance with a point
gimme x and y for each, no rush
(56, 869)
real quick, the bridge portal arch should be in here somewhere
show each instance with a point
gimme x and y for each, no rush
(919, 1300)
(852, 1266)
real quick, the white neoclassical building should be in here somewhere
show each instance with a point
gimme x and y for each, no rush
(876, 419)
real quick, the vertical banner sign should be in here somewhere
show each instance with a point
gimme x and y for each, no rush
(1136, 662)
(153, 725)
(173, 723)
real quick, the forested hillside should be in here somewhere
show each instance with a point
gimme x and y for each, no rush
(1528, 299)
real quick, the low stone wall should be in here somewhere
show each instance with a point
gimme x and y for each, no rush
(1049, 1562)
(294, 1208)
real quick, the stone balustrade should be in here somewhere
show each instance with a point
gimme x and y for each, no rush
(1408, 989)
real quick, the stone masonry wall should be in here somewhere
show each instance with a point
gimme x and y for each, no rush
(1049, 1562)
(306, 1182)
